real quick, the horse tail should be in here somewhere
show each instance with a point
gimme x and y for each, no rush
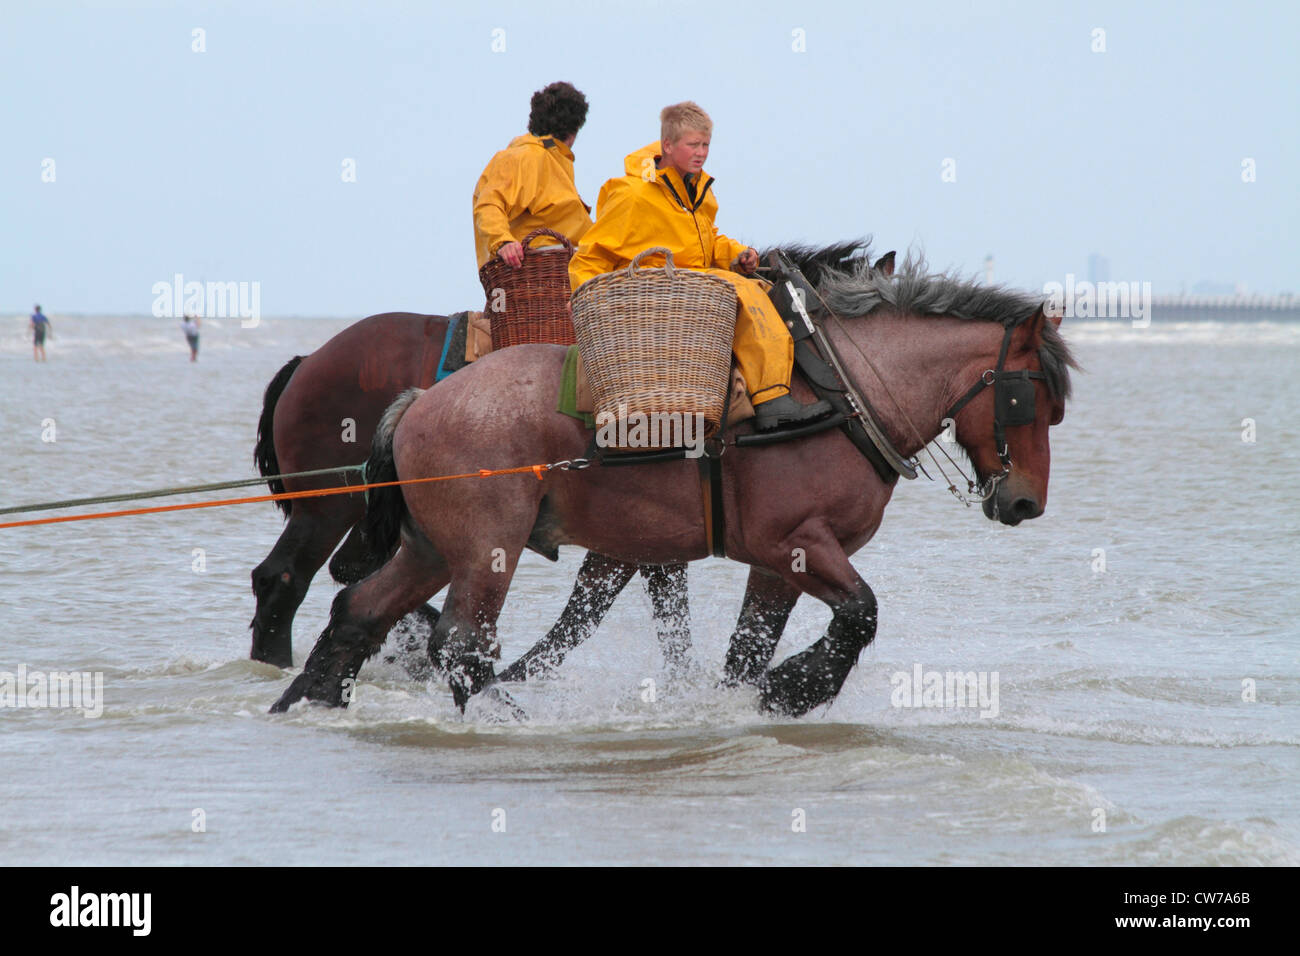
(264, 451)
(385, 507)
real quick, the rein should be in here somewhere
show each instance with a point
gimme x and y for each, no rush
(1014, 399)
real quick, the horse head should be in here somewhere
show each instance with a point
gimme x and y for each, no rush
(1004, 425)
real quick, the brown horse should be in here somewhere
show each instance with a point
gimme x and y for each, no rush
(321, 412)
(580, 618)
(794, 511)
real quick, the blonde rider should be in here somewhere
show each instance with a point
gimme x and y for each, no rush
(666, 199)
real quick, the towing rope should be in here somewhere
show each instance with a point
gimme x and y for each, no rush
(538, 470)
(178, 490)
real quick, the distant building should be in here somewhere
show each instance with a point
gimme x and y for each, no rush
(1098, 268)
(1207, 287)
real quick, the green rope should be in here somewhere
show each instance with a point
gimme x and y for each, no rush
(183, 490)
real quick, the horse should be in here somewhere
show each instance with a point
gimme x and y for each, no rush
(794, 511)
(574, 627)
(321, 411)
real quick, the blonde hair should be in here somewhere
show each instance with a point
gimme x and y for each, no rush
(681, 118)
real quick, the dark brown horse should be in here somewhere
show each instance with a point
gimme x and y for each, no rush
(321, 412)
(794, 511)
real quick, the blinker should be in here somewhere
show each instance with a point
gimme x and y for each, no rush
(1013, 396)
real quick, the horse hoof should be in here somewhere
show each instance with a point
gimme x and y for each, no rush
(467, 677)
(514, 674)
(784, 696)
(494, 705)
(278, 657)
(524, 670)
(291, 696)
(311, 686)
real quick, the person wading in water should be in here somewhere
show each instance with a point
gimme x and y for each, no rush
(40, 328)
(190, 326)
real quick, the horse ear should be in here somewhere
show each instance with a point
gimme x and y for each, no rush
(1029, 335)
(885, 264)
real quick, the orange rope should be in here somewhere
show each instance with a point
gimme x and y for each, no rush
(538, 470)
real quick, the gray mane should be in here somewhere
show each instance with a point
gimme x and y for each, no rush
(857, 291)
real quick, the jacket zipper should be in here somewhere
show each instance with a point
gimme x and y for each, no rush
(708, 259)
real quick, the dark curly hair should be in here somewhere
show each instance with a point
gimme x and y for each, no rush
(557, 110)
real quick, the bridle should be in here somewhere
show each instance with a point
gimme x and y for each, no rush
(1013, 404)
(1013, 401)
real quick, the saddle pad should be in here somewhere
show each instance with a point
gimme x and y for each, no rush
(453, 347)
(567, 403)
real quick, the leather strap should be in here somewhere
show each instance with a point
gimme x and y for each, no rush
(993, 377)
(715, 518)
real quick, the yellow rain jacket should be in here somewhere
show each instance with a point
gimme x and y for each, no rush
(653, 207)
(527, 186)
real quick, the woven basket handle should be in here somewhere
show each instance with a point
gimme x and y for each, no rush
(668, 259)
(564, 240)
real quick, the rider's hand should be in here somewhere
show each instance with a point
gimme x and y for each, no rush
(747, 261)
(512, 253)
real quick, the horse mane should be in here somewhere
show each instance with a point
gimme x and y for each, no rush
(850, 288)
(816, 262)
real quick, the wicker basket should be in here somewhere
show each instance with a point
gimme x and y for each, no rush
(533, 300)
(657, 340)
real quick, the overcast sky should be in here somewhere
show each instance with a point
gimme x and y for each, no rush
(831, 120)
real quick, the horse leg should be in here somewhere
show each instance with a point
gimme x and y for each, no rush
(280, 582)
(668, 596)
(360, 619)
(412, 642)
(466, 636)
(768, 603)
(600, 580)
(355, 560)
(814, 676)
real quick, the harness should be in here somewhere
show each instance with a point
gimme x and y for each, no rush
(1013, 394)
(823, 369)
(816, 357)
(1013, 400)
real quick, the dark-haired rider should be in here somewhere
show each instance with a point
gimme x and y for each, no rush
(529, 185)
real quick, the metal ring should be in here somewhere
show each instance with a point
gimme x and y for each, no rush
(989, 376)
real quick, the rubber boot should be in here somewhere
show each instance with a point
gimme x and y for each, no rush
(785, 411)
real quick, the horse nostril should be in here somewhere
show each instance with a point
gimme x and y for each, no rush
(1024, 508)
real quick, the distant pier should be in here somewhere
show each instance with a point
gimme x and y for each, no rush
(1225, 308)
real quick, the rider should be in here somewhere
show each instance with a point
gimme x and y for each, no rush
(530, 185)
(665, 199)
